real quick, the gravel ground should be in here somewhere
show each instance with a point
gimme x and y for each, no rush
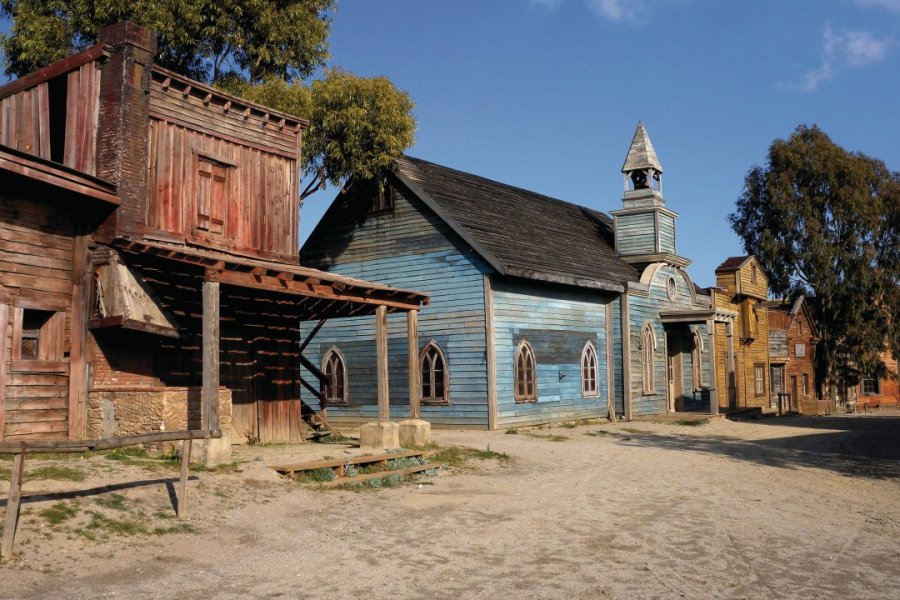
(777, 508)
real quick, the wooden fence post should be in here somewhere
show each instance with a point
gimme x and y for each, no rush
(210, 388)
(12, 504)
(182, 484)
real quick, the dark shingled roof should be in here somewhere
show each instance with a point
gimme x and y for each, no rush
(521, 233)
(733, 263)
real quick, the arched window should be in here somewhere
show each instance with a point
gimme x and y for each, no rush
(435, 380)
(589, 386)
(525, 367)
(697, 359)
(335, 370)
(648, 358)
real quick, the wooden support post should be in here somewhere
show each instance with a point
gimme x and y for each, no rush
(381, 357)
(182, 484)
(610, 386)
(713, 386)
(412, 342)
(12, 504)
(78, 363)
(210, 390)
(4, 322)
(626, 354)
(730, 375)
(491, 352)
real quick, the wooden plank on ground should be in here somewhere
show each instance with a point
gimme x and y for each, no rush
(339, 462)
(368, 476)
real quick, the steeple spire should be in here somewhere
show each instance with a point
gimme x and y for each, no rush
(641, 154)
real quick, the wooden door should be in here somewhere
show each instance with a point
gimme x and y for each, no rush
(674, 374)
(794, 403)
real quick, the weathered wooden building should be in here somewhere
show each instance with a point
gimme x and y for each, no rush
(742, 363)
(875, 392)
(149, 276)
(792, 357)
(528, 297)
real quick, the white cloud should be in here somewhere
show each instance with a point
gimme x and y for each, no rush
(893, 5)
(617, 10)
(843, 50)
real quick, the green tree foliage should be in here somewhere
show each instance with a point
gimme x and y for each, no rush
(825, 222)
(358, 125)
(259, 49)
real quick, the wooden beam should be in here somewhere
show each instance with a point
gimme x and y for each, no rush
(300, 288)
(610, 385)
(412, 343)
(4, 324)
(106, 444)
(182, 483)
(713, 386)
(491, 353)
(210, 388)
(77, 361)
(60, 67)
(626, 355)
(311, 335)
(12, 505)
(381, 358)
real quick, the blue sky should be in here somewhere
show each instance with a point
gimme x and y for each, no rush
(546, 94)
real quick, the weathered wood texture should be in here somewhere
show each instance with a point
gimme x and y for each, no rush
(411, 248)
(739, 293)
(792, 343)
(557, 323)
(37, 240)
(888, 389)
(258, 351)
(645, 307)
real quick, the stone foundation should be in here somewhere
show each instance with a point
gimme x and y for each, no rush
(383, 435)
(118, 412)
(414, 433)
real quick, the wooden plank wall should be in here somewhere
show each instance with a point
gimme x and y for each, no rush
(24, 121)
(557, 323)
(666, 233)
(646, 307)
(636, 234)
(36, 254)
(26, 124)
(261, 161)
(257, 354)
(409, 248)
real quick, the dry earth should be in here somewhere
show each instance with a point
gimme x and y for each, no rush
(778, 508)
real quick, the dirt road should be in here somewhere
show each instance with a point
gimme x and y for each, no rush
(780, 508)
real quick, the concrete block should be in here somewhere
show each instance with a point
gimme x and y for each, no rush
(212, 452)
(383, 435)
(414, 432)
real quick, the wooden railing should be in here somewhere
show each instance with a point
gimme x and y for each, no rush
(19, 449)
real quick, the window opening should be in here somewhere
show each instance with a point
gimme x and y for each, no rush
(525, 373)
(335, 377)
(433, 367)
(589, 371)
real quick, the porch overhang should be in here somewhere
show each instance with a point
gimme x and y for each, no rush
(302, 292)
(697, 316)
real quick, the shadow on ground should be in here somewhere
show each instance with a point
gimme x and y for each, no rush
(857, 447)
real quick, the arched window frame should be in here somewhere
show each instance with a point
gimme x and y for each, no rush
(697, 360)
(648, 359)
(427, 356)
(525, 373)
(590, 371)
(334, 357)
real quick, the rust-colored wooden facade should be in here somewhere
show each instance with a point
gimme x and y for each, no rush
(154, 230)
(883, 391)
(792, 355)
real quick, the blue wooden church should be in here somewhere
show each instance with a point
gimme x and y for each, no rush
(541, 311)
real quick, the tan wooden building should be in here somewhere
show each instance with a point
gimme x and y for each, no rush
(742, 361)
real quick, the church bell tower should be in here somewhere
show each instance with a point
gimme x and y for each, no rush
(644, 227)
